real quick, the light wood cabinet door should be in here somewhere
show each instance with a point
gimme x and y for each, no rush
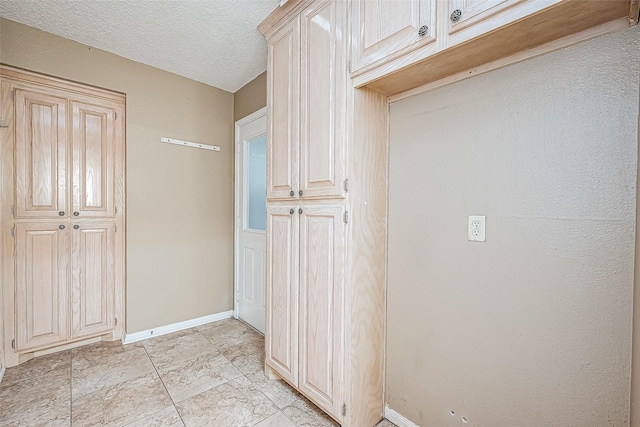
(468, 19)
(92, 278)
(282, 291)
(283, 123)
(42, 271)
(323, 132)
(385, 29)
(40, 155)
(322, 237)
(93, 160)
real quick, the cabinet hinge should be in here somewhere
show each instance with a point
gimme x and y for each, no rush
(349, 66)
(116, 209)
(115, 228)
(346, 184)
(116, 115)
(116, 322)
(11, 95)
(344, 409)
(12, 210)
(13, 343)
(13, 231)
(346, 217)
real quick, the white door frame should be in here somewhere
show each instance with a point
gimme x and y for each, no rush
(236, 205)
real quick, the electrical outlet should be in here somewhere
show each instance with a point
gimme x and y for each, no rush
(477, 228)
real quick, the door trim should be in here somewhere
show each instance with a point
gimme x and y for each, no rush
(236, 199)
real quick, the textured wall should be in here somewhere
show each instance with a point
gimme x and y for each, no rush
(533, 327)
(250, 98)
(179, 200)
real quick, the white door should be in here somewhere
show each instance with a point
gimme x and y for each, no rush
(251, 218)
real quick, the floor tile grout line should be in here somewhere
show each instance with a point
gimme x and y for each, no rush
(165, 387)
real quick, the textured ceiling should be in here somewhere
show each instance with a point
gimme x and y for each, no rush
(212, 41)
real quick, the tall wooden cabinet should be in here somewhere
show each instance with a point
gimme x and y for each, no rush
(62, 214)
(326, 209)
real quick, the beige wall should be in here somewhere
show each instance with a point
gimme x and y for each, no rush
(533, 327)
(179, 200)
(250, 98)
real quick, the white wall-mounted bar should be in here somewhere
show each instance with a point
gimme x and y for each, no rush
(190, 144)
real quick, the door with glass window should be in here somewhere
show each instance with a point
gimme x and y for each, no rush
(251, 217)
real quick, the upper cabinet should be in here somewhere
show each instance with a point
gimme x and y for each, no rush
(307, 99)
(383, 30)
(460, 35)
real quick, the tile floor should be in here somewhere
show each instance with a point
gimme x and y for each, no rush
(207, 376)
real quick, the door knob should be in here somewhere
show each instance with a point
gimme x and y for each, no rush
(423, 31)
(456, 15)
(75, 227)
(291, 211)
(300, 211)
(61, 213)
(61, 227)
(300, 192)
(292, 193)
(76, 213)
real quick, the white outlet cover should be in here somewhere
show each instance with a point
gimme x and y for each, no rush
(477, 228)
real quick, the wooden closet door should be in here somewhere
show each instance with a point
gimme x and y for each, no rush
(322, 235)
(93, 278)
(93, 160)
(281, 330)
(323, 131)
(283, 120)
(42, 279)
(40, 155)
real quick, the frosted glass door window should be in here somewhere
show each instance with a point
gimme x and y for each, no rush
(256, 179)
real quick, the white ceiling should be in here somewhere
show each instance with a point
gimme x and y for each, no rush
(212, 41)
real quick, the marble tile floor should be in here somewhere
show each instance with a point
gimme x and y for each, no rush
(211, 375)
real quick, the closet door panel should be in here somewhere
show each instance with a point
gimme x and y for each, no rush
(93, 160)
(93, 278)
(40, 155)
(322, 234)
(283, 120)
(42, 253)
(323, 133)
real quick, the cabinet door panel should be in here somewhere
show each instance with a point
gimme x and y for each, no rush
(93, 160)
(323, 131)
(93, 278)
(282, 291)
(321, 305)
(383, 29)
(41, 141)
(41, 285)
(283, 94)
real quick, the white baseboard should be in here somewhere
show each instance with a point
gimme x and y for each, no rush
(175, 327)
(397, 419)
(2, 371)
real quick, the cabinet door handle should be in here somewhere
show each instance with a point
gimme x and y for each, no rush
(423, 31)
(456, 15)
(61, 213)
(300, 193)
(61, 227)
(76, 213)
(300, 211)
(75, 227)
(291, 211)
(292, 193)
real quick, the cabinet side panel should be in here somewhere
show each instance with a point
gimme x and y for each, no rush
(366, 288)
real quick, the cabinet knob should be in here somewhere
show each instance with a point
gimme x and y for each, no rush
(76, 213)
(423, 31)
(300, 193)
(292, 193)
(61, 227)
(75, 227)
(291, 211)
(300, 211)
(61, 213)
(456, 15)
